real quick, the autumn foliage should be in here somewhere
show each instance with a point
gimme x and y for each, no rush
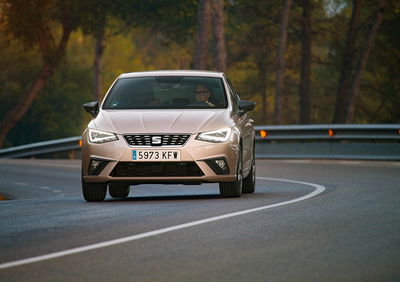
(302, 61)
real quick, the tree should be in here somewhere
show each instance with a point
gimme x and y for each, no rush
(96, 22)
(253, 27)
(97, 63)
(102, 16)
(97, 17)
(219, 34)
(355, 86)
(57, 111)
(280, 75)
(210, 17)
(202, 35)
(349, 53)
(173, 20)
(32, 22)
(305, 63)
(352, 69)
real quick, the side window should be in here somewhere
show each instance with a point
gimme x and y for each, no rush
(234, 96)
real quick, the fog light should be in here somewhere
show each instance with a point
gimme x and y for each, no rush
(219, 166)
(96, 166)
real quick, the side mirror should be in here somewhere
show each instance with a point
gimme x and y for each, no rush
(245, 106)
(92, 108)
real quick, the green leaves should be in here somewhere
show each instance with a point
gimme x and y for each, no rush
(157, 34)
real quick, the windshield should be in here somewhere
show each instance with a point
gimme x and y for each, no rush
(167, 92)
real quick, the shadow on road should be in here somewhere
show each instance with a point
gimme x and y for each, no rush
(166, 198)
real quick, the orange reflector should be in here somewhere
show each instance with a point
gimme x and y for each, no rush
(263, 133)
(80, 143)
(331, 133)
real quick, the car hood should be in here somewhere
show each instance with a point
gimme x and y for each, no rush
(162, 121)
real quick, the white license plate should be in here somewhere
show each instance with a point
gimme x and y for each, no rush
(156, 155)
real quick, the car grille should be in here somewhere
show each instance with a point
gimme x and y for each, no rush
(147, 139)
(149, 169)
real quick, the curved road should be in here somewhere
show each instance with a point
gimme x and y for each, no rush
(315, 221)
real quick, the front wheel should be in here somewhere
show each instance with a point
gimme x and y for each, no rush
(249, 183)
(233, 189)
(94, 192)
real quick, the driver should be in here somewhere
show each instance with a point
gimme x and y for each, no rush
(202, 94)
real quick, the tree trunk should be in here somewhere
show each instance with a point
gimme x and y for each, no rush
(97, 65)
(305, 63)
(203, 34)
(262, 78)
(355, 87)
(48, 65)
(219, 35)
(344, 89)
(15, 114)
(280, 75)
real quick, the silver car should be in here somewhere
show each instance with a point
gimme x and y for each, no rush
(168, 127)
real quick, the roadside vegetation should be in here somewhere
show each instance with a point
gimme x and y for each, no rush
(302, 61)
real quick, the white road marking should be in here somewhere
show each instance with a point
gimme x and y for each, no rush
(40, 187)
(44, 188)
(297, 161)
(349, 162)
(318, 190)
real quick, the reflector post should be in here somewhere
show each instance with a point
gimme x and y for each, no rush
(331, 133)
(263, 133)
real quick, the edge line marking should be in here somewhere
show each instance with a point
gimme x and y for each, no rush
(318, 190)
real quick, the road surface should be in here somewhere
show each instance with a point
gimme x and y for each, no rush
(314, 221)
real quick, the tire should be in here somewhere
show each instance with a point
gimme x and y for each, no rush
(118, 190)
(94, 192)
(249, 183)
(233, 189)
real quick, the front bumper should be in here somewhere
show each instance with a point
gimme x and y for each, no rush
(194, 151)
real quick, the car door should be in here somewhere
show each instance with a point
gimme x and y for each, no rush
(245, 126)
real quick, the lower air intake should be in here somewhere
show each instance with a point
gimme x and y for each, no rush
(154, 169)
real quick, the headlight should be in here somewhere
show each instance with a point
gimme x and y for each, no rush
(97, 136)
(216, 136)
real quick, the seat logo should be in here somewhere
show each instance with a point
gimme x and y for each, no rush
(156, 140)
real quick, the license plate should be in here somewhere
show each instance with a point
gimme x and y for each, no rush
(156, 155)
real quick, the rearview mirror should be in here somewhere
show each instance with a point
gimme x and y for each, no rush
(245, 106)
(92, 108)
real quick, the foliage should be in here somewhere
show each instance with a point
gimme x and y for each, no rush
(57, 112)
(21, 66)
(157, 34)
(176, 19)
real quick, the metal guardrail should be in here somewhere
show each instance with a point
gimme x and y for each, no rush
(329, 141)
(40, 148)
(325, 141)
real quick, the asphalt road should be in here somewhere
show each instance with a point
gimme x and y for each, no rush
(348, 232)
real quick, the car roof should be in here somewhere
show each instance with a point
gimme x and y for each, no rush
(173, 73)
